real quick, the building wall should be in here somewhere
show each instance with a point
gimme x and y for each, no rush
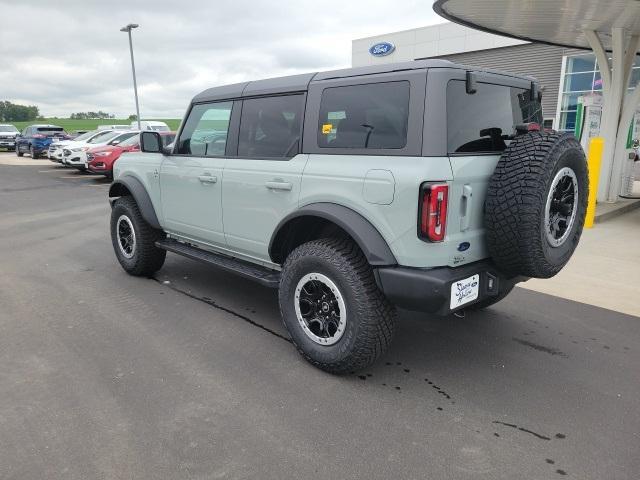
(432, 41)
(543, 62)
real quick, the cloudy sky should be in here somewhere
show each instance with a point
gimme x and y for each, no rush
(68, 55)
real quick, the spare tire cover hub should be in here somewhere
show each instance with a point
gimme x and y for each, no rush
(562, 206)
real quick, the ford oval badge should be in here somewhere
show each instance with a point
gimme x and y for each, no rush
(382, 49)
(463, 246)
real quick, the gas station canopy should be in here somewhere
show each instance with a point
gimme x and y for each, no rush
(610, 28)
(546, 21)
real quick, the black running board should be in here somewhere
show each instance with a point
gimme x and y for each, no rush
(262, 275)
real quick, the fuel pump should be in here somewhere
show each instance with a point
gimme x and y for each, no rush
(588, 118)
(633, 143)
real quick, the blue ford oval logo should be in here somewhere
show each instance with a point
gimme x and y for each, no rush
(463, 246)
(381, 49)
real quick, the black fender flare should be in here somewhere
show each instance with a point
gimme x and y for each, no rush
(139, 194)
(368, 238)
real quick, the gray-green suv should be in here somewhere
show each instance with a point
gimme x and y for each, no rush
(425, 185)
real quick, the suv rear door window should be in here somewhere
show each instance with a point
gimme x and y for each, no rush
(205, 130)
(485, 121)
(271, 126)
(370, 116)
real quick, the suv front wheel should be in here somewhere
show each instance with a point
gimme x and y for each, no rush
(337, 317)
(134, 240)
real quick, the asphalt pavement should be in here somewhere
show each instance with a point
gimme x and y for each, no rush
(191, 374)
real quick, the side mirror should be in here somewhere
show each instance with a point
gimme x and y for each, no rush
(115, 142)
(150, 142)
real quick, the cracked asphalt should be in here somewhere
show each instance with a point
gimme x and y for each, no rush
(191, 374)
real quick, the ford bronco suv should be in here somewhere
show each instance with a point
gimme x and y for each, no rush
(425, 185)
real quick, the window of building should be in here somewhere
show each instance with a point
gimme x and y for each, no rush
(484, 122)
(271, 126)
(372, 116)
(205, 130)
(582, 75)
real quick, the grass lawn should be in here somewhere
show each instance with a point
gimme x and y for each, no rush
(71, 125)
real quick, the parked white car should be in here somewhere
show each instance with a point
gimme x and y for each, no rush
(114, 127)
(151, 125)
(55, 151)
(75, 155)
(8, 134)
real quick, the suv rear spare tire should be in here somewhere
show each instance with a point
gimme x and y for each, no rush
(536, 203)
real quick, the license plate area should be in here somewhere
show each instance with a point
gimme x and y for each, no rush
(464, 291)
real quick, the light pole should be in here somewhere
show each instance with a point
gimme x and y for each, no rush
(128, 29)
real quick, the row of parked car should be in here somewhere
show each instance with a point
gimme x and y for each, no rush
(95, 151)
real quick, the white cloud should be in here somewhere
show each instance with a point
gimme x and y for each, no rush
(70, 55)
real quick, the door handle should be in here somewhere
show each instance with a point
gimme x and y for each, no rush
(465, 217)
(278, 186)
(207, 178)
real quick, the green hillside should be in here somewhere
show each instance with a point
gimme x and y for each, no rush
(71, 125)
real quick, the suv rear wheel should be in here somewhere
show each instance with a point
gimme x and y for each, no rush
(134, 240)
(337, 317)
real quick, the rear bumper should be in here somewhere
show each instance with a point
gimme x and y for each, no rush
(429, 290)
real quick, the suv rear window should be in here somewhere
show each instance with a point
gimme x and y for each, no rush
(484, 122)
(371, 116)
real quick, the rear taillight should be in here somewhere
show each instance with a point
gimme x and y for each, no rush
(432, 218)
(39, 135)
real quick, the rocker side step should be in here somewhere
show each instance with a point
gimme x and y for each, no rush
(262, 275)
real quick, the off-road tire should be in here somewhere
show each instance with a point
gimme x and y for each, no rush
(18, 152)
(32, 152)
(517, 198)
(370, 323)
(147, 258)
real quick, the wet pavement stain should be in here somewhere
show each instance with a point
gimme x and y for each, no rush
(526, 430)
(540, 348)
(549, 461)
(561, 472)
(213, 304)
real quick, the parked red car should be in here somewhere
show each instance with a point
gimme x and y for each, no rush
(100, 160)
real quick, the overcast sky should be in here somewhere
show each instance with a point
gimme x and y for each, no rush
(69, 56)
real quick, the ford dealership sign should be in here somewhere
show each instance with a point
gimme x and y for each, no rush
(382, 49)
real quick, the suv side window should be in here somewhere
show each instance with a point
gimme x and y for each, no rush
(26, 132)
(271, 126)
(205, 131)
(370, 116)
(485, 121)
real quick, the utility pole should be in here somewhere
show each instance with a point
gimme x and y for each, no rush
(128, 29)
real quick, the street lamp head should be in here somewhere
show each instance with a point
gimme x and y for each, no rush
(129, 27)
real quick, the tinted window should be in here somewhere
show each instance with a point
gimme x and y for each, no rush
(124, 136)
(485, 121)
(373, 116)
(270, 126)
(205, 130)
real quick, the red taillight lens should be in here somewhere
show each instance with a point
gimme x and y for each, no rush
(39, 135)
(433, 211)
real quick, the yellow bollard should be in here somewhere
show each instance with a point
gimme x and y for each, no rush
(594, 160)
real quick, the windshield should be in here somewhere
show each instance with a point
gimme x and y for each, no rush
(84, 136)
(131, 142)
(51, 130)
(8, 128)
(104, 137)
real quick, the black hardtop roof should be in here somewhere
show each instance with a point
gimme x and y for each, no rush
(300, 83)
